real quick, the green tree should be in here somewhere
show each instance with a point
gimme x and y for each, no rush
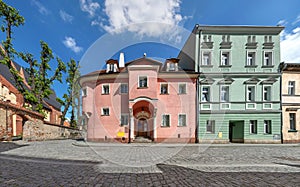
(39, 79)
(71, 98)
(10, 19)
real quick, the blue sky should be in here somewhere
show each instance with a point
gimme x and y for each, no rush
(71, 27)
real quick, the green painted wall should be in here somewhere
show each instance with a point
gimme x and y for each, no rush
(222, 125)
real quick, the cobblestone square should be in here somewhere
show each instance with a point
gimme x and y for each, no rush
(75, 163)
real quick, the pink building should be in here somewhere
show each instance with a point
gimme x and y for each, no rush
(143, 99)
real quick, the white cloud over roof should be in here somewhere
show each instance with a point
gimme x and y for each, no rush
(290, 46)
(144, 17)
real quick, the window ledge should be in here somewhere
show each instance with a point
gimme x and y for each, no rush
(165, 126)
(250, 66)
(104, 115)
(264, 66)
(164, 93)
(210, 133)
(142, 87)
(253, 133)
(206, 66)
(105, 94)
(225, 66)
(181, 93)
(291, 130)
(181, 126)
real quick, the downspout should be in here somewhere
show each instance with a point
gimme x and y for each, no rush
(280, 92)
(197, 111)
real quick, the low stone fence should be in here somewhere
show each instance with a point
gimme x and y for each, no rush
(37, 130)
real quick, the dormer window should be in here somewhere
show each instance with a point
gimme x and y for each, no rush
(172, 64)
(111, 66)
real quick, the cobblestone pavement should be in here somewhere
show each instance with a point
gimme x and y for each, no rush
(71, 163)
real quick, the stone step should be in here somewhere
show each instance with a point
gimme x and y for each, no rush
(142, 140)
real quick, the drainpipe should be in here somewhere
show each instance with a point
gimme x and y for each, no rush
(197, 111)
(280, 92)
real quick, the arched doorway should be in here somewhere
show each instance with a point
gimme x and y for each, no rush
(143, 119)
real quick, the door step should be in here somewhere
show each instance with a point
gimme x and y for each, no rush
(140, 139)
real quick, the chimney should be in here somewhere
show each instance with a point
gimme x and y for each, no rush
(121, 60)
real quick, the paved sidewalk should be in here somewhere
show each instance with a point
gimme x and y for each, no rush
(74, 163)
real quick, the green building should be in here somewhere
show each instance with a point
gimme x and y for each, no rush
(239, 84)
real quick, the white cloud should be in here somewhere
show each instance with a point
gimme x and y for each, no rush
(41, 8)
(89, 6)
(70, 43)
(282, 22)
(297, 20)
(290, 46)
(144, 17)
(65, 16)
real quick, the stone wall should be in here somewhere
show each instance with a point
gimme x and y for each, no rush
(37, 130)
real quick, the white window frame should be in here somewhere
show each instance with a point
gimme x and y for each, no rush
(180, 125)
(121, 88)
(228, 93)
(249, 108)
(84, 92)
(124, 115)
(103, 113)
(253, 58)
(294, 121)
(143, 76)
(162, 120)
(179, 84)
(253, 93)
(264, 58)
(208, 93)
(292, 87)
(264, 106)
(213, 127)
(270, 94)
(103, 92)
(228, 58)
(267, 124)
(205, 104)
(209, 53)
(253, 123)
(164, 84)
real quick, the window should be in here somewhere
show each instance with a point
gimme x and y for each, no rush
(124, 88)
(182, 89)
(210, 126)
(143, 82)
(267, 127)
(84, 92)
(250, 59)
(166, 120)
(182, 120)
(172, 66)
(291, 88)
(225, 59)
(111, 67)
(124, 119)
(105, 89)
(251, 93)
(164, 89)
(105, 111)
(206, 59)
(267, 93)
(292, 121)
(205, 94)
(224, 94)
(253, 127)
(268, 59)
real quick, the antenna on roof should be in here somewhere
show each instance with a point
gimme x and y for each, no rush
(121, 60)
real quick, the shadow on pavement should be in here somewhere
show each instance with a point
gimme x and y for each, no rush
(6, 146)
(29, 171)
